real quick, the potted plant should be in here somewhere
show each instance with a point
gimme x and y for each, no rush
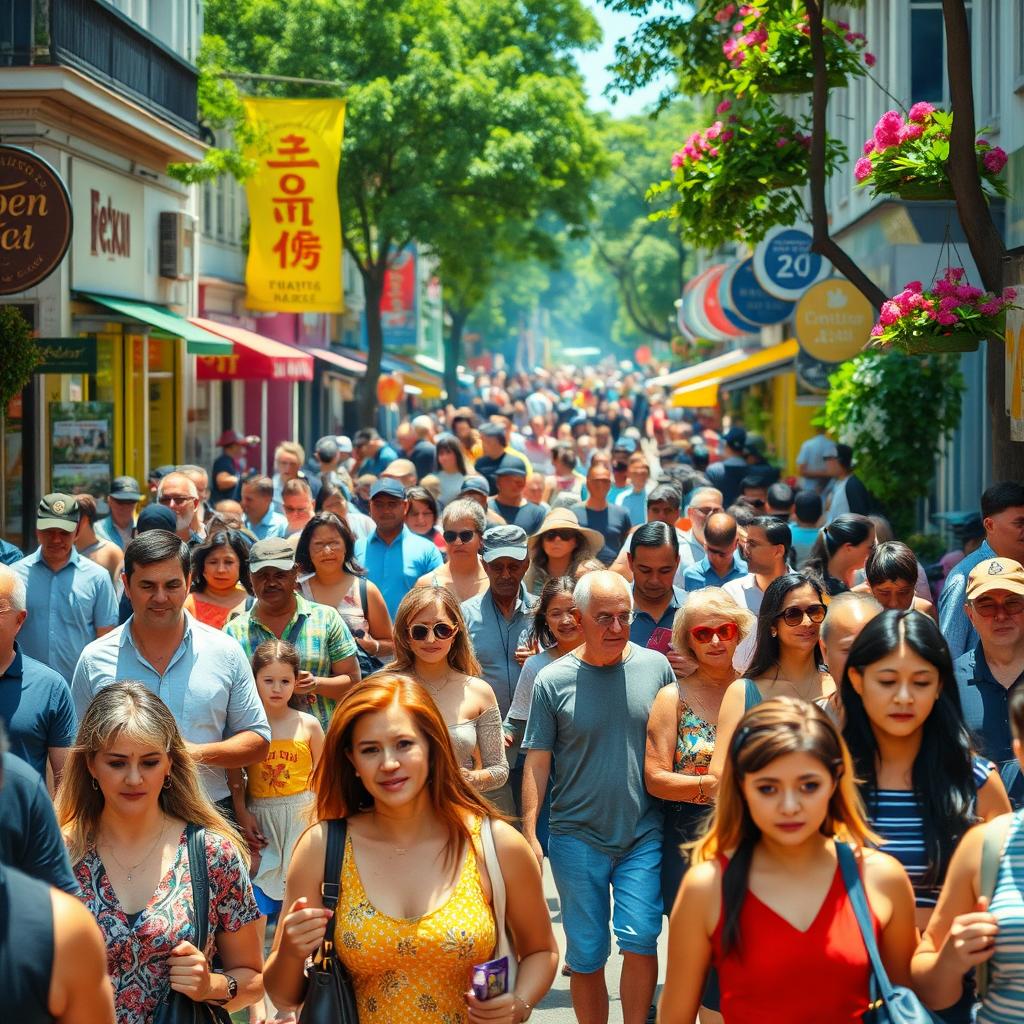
(907, 156)
(21, 354)
(740, 176)
(951, 316)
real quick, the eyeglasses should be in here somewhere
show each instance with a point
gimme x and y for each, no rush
(625, 620)
(420, 631)
(990, 609)
(561, 534)
(321, 547)
(176, 499)
(295, 510)
(725, 632)
(794, 616)
(462, 536)
(704, 511)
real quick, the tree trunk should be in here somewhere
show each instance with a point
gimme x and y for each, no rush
(823, 243)
(373, 286)
(983, 237)
(453, 353)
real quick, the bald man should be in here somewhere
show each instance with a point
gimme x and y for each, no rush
(180, 494)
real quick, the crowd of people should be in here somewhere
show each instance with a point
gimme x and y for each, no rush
(553, 624)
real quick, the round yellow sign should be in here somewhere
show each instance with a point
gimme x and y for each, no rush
(833, 320)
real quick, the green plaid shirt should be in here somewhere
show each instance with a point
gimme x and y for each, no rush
(319, 634)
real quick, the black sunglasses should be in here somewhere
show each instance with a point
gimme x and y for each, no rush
(465, 536)
(794, 616)
(569, 534)
(441, 630)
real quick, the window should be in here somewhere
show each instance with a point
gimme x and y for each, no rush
(1018, 46)
(927, 42)
(991, 66)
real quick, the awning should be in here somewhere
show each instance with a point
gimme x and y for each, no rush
(254, 357)
(753, 367)
(702, 395)
(166, 324)
(698, 371)
(350, 367)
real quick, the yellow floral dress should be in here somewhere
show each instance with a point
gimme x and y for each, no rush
(414, 971)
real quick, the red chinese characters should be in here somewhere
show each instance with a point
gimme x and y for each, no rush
(297, 245)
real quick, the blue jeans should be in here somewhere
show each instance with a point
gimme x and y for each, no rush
(587, 880)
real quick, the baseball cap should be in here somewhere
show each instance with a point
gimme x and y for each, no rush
(504, 542)
(510, 467)
(736, 437)
(327, 448)
(624, 444)
(831, 452)
(160, 472)
(492, 430)
(230, 437)
(125, 488)
(755, 445)
(995, 574)
(58, 512)
(388, 486)
(273, 552)
(475, 484)
(156, 517)
(344, 444)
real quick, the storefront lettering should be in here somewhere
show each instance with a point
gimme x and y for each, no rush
(111, 228)
(302, 247)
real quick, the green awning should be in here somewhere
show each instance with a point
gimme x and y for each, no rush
(166, 324)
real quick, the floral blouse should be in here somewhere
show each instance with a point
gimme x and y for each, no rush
(137, 953)
(695, 743)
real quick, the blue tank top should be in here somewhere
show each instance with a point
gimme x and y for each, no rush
(751, 695)
(26, 947)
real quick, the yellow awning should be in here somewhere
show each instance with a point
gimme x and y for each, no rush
(702, 395)
(765, 362)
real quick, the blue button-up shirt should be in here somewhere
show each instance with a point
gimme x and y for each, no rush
(986, 710)
(378, 463)
(396, 567)
(953, 622)
(703, 575)
(65, 609)
(106, 529)
(495, 639)
(273, 524)
(208, 685)
(644, 625)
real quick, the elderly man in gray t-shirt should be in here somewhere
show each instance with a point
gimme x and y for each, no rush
(589, 712)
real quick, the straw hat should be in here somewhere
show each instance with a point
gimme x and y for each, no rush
(563, 519)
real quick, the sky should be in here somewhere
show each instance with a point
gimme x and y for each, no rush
(594, 63)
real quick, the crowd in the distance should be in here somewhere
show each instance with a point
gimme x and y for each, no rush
(562, 622)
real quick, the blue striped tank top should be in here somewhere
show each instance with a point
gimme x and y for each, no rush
(1004, 1001)
(895, 815)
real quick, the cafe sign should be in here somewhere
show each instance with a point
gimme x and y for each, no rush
(35, 220)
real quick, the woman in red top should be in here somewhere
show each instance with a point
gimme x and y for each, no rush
(765, 902)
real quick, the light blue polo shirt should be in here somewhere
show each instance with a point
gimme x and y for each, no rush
(273, 524)
(65, 608)
(701, 575)
(208, 685)
(396, 567)
(106, 529)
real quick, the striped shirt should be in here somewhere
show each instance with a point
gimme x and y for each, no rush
(1004, 1001)
(896, 816)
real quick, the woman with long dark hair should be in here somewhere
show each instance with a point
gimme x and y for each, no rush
(451, 467)
(788, 660)
(765, 902)
(841, 548)
(558, 547)
(922, 785)
(220, 578)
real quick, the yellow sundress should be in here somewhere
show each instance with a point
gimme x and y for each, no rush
(414, 970)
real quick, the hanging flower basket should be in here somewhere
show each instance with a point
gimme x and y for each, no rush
(951, 316)
(907, 157)
(797, 82)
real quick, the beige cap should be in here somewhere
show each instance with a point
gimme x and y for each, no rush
(995, 574)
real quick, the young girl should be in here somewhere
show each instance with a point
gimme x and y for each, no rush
(765, 901)
(277, 804)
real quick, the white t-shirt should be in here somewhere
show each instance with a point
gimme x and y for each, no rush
(812, 455)
(747, 594)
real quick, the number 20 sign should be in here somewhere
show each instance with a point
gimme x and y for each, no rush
(784, 264)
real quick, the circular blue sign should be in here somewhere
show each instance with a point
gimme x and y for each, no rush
(784, 264)
(725, 299)
(751, 302)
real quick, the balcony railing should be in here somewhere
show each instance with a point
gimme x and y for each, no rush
(96, 39)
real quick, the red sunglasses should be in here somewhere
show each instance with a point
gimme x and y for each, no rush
(725, 632)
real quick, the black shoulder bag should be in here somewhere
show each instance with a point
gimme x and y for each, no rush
(176, 1007)
(330, 997)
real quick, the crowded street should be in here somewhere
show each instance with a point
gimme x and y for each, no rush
(511, 510)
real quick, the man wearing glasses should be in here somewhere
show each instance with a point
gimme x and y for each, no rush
(178, 493)
(589, 714)
(988, 674)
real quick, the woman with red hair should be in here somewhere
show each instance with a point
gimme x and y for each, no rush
(414, 914)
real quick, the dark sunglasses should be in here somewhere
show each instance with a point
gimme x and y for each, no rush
(754, 502)
(441, 631)
(794, 616)
(465, 536)
(562, 534)
(725, 632)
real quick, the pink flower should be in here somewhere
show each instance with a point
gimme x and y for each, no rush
(781, 143)
(678, 159)
(869, 146)
(1009, 294)
(853, 37)
(968, 293)
(738, 28)
(954, 273)
(994, 160)
(723, 107)
(725, 13)
(913, 286)
(887, 131)
(726, 135)
(911, 130)
(992, 308)
(690, 152)
(920, 112)
(946, 319)
(870, 59)
(889, 313)
(862, 169)
(842, 26)
(877, 331)
(714, 131)
(948, 302)
(713, 151)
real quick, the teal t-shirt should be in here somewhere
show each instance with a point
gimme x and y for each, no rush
(594, 721)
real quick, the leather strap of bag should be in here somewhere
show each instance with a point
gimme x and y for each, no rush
(198, 869)
(330, 888)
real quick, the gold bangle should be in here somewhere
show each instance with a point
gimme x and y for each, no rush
(529, 1008)
(700, 787)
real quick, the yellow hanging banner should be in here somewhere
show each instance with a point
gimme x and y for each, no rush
(294, 263)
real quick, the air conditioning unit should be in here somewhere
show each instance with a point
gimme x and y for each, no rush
(177, 245)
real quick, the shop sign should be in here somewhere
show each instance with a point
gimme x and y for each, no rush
(67, 355)
(109, 257)
(784, 264)
(833, 320)
(294, 263)
(725, 300)
(35, 220)
(751, 302)
(398, 313)
(813, 373)
(81, 447)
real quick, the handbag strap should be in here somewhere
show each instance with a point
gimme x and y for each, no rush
(330, 888)
(198, 869)
(494, 873)
(859, 903)
(991, 852)
(362, 597)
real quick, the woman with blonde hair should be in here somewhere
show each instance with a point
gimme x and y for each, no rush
(129, 801)
(765, 901)
(433, 646)
(463, 523)
(417, 881)
(683, 723)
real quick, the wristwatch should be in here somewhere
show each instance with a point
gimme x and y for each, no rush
(232, 988)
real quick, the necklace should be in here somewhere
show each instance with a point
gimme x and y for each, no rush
(698, 705)
(435, 692)
(128, 870)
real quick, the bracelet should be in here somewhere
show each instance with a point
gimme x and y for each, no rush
(528, 1006)
(700, 787)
